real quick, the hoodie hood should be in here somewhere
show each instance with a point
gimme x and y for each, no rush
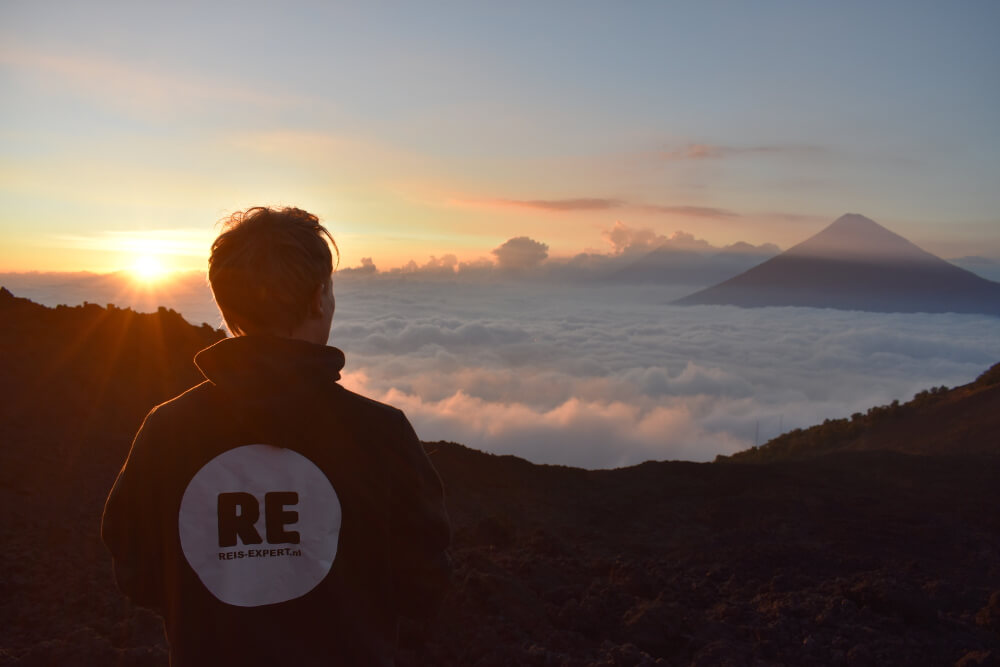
(257, 362)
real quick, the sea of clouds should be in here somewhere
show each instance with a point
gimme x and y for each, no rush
(600, 375)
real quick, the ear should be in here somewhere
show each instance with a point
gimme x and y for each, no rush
(316, 303)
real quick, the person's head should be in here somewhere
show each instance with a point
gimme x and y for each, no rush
(271, 273)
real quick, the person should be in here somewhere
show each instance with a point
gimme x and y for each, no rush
(271, 516)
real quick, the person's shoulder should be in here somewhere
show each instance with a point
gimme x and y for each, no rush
(180, 405)
(368, 407)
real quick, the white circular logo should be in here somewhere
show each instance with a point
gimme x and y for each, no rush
(259, 525)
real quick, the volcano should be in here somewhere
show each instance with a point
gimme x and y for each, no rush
(856, 264)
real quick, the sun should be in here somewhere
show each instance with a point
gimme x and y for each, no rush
(148, 269)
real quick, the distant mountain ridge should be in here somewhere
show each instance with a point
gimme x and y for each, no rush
(856, 264)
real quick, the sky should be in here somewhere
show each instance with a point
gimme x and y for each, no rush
(430, 129)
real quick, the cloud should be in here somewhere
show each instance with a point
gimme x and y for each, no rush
(742, 247)
(446, 266)
(592, 204)
(688, 261)
(611, 377)
(693, 211)
(626, 240)
(603, 375)
(576, 432)
(578, 204)
(367, 268)
(436, 268)
(600, 204)
(113, 82)
(629, 239)
(701, 151)
(520, 253)
(632, 240)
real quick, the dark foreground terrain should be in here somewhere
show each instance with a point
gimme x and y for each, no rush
(820, 549)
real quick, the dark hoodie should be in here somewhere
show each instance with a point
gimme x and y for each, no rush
(317, 569)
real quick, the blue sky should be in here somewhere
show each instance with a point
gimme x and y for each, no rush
(418, 129)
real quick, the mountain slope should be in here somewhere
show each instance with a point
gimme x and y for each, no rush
(856, 264)
(858, 557)
(962, 421)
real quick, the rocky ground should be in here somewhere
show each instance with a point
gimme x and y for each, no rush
(853, 557)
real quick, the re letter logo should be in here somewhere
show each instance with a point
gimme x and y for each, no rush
(238, 512)
(259, 525)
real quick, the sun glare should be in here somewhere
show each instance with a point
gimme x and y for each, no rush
(148, 268)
